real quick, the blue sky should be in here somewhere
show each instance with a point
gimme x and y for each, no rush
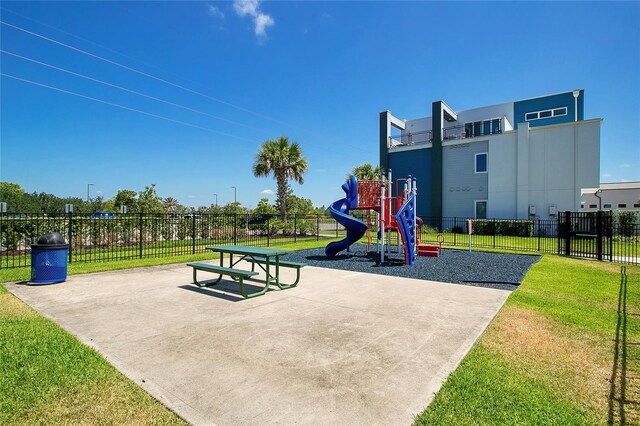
(317, 72)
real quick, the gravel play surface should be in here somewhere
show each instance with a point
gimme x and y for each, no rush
(495, 270)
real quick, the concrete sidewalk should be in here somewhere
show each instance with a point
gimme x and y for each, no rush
(341, 348)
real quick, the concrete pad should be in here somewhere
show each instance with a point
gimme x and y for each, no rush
(342, 347)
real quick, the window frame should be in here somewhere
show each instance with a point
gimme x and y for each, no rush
(551, 111)
(475, 162)
(475, 208)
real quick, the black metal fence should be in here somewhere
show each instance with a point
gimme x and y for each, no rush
(134, 236)
(594, 235)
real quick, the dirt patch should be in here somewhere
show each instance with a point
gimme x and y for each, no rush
(573, 363)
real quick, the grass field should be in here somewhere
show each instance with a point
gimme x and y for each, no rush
(563, 350)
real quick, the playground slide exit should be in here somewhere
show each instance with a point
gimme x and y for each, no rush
(340, 212)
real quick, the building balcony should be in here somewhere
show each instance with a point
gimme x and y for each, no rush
(410, 139)
(463, 131)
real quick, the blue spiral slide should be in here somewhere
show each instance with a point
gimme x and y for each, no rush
(340, 212)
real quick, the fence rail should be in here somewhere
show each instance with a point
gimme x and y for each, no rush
(135, 236)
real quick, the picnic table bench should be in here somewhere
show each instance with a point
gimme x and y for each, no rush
(281, 263)
(266, 258)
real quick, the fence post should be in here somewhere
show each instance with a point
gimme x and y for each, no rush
(193, 234)
(494, 232)
(268, 230)
(567, 233)
(599, 229)
(295, 227)
(317, 227)
(538, 234)
(610, 231)
(140, 239)
(455, 226)
(235, 229)
(70, 235)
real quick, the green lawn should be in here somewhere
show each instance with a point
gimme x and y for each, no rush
(563, 350)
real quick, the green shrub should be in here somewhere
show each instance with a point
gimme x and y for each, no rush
(627, 223)
(510, 228)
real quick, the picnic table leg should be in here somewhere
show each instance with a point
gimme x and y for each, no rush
(286, 286)
(195, 279)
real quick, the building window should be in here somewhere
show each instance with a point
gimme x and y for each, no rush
(607, 206)
(481, 162)
(622, 205)
(482, 128)
(547, 113)
(636, 205)
(481, 209)
(582, 206)
(593, 206)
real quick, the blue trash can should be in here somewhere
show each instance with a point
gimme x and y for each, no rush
(49, 259)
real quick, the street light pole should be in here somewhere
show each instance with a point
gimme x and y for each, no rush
(88, 185)
(235, 199)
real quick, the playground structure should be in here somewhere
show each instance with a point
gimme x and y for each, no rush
(393, 214)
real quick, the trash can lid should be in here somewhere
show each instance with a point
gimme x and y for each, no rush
(51, 238)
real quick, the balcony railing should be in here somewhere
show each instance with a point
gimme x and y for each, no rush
(408, 139)
(462, 131)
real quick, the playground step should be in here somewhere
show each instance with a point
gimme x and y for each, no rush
(428, 250)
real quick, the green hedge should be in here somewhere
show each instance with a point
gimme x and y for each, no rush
(511, 228)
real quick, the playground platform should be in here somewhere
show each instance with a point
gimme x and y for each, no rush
(341, 348)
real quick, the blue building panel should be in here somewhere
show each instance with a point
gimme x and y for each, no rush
(546, 107)
(416, 163)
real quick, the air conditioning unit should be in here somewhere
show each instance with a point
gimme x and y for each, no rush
(532, 210)
(553, 210)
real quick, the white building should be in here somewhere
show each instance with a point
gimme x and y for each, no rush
(520, 159)
(622, 196)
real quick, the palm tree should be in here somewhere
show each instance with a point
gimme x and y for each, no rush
(170, 204)
(365, 172)
(285, 161)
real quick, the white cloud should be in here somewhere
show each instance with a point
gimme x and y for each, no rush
(215, 12)
(624, 165)
(606, 175)
(267, 192)
(251, 8)
(263, 21)
(191, 196)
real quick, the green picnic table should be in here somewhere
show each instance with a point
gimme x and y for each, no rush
(266, 258)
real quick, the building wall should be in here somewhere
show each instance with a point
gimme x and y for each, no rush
(502, 175)
(563, 159)
(461, 186)
(520, 108)
(613, 197)
(415, 163)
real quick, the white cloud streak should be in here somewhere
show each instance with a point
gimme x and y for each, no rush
(267, 192)
(252, 8)
(215, 12)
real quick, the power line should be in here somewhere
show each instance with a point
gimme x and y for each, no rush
(128, 90)
(144, 74)
(86, 40)
(123, 107)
